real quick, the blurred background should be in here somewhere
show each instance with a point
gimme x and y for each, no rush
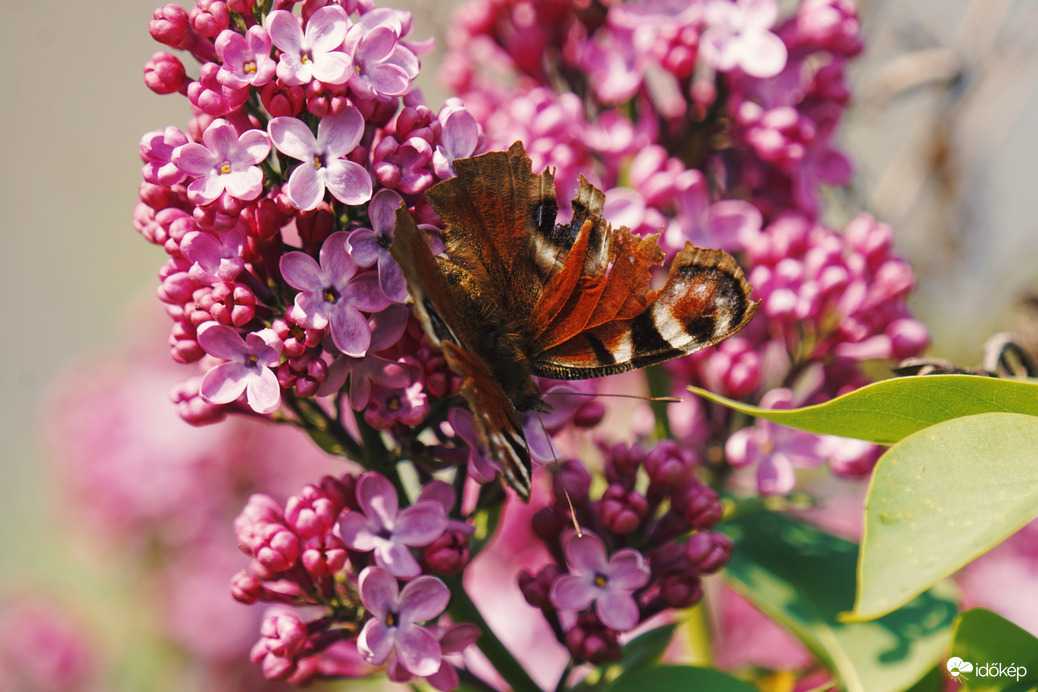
(941, 131)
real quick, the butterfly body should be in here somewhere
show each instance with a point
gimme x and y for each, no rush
(520, 296)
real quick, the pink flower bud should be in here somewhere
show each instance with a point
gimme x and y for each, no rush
(165, 74)
(323, 555)
(448, 554)
(621, 511)
(591, 641)
(169, 25)
(681, 590)
(698, 504)
(212, 97)
(246, 588)
(708, 551)
(668, 464)
(280, 99)
(311, 512)
(192, 408)
(536, 589)
(209, 17)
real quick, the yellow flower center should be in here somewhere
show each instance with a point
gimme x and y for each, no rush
(225, 168)
(317, 162)
(249, 67)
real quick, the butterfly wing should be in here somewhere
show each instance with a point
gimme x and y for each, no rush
(448, 303)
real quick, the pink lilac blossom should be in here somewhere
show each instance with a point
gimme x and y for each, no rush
(381, 526)
(314, 53)
(394, 628)
(323, 166)
(737, 36)
(608, 583)
(225, 162)
(248, 367)
(370, 247)
(332, 294)
(383, 66)
(245, 59)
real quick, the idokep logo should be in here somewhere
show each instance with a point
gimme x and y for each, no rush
(958, 669)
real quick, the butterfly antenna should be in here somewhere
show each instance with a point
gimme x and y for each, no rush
(639, 397)
(558, 467)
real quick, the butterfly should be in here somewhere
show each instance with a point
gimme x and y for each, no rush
(518, 295)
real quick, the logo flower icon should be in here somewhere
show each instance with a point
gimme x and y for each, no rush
(956, 667)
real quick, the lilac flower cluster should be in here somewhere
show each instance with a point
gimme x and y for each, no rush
(276, 206)
(640, 553)
(299, 554)
(713, 121)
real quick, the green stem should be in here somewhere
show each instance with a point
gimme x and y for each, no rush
(462, 609)
(659, 386)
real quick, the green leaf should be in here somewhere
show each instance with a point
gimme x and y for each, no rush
(804, 578)
(941, 497)
(983, 638)
(326, 441)
(888, 411)
(646, 649)
(671, 678)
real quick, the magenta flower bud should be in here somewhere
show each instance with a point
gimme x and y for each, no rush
(708, 551)
(295, 337)
(209, 17)
(621, 511)
(681, 590)
(183, 342)
(277, 549)
(169, 25)
(191, 407)
(259, 511)
(830, 25)
(263, 218)
(323, 555)
(342, 491)
(575, 479)
(698, 504)
(246, 588)
(311, 512)
(305, 373)
(623, 462)
(241, 6)
(547, 524)
(591, 641)
(165, 74)
(212, 97)
(908, 337)
(668, 464)
(283, 636)
(448, 554)
(233, 303)
(536, 589)
(281, 99)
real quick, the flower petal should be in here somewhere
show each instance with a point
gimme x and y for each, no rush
(305, 188)
(348, 182)
(376, 641)
(338, 135)
(263, 391)
(378, 499)
(224, 383)
(421, 523)
(378, 591)
(586, 554)
(572, 592)
(350, 331)
(326, 28)
(365, 293)
(627, 570)
(301, 271)
(617, 609)
(293, 138)
(423, 599)
(396, 558)
(418, 650)
(221, 341)
(285, 32)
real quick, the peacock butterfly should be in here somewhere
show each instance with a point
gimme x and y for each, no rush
(520, 296)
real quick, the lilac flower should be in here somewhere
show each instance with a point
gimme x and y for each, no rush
(609, 584)
(737, 36)
(394, 626)
(322, 165)
(371, 246)
(156, 150)
(775, 449)
(215, 257)
(332, 294)
(480, 466)
(382, 528)
(248, 367)
(383, 66)
(460, 138)
(224, 163)
(728, 224)
(314, 54)
(246, 59)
